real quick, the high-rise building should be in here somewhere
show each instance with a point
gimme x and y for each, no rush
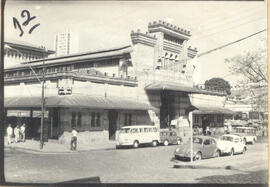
(66, 43)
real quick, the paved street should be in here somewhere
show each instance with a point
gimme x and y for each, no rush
(143, 165)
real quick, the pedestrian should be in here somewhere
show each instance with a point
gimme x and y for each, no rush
(9, 133)
(17, 133)
(204, 125)
(73, 142)
(22, 130)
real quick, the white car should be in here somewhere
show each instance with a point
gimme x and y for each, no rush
(231, 144)
(247, 133)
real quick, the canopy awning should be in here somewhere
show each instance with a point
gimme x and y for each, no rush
(78, 101)
(179, 87)
(200, 109)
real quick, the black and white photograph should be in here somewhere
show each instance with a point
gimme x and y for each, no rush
(163, 92)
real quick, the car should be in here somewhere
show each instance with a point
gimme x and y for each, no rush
(247, 133)
(203, 147)
(136, 135)
(169, 137)
(231, 144)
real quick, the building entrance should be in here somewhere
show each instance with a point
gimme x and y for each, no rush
(112, 115)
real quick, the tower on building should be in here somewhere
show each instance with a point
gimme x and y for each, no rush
(66, 43)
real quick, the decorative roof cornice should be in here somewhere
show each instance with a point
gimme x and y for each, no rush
(144, 38)
(153, 26)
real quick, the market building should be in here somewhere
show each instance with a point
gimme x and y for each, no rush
(149, 82)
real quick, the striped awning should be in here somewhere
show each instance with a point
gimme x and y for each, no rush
(78, 101)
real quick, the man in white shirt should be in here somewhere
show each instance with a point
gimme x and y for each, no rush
(17, 133)
(73, 142)
(22, 129)
(9, 133)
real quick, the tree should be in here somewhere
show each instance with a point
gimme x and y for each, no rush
(218, 84)
(252, 67)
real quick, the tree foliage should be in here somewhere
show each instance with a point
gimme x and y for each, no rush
(252, 67)
(218, 84)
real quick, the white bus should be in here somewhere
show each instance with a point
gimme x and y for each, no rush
(138, 134)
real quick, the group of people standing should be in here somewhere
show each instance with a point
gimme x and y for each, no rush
(19, 133)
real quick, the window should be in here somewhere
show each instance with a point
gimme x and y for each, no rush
(93, 116)
(98, 120)
(79, 119)
(95, 119)
(141, 129)
(73, 119)
(134, 130)
(145, 129)
(219, 118)
(76, 119)
(155, 129)
(206, 142)
(196, 118)
(128, 118)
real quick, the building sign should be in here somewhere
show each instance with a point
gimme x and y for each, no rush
(37, 114)
(18, 113)
(26, 113)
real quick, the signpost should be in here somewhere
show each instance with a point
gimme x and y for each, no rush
(42, 105)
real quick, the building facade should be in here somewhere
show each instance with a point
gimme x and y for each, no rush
(149, 82)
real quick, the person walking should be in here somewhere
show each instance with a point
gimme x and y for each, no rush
(204, 125)
(9, 133)
(73, 142)
(22, 130)
(17, 133)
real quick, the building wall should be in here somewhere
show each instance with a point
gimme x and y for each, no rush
(91, 135)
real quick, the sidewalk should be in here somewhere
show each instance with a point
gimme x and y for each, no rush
(33, 146)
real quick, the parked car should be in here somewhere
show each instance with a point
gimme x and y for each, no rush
(231, 144)
(247, 133)
(137, 135)
(203, 147)
(169, 137)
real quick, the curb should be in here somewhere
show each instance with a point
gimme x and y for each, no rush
(33, 151)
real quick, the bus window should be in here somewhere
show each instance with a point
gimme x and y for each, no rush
(134, 130)
(145, 129)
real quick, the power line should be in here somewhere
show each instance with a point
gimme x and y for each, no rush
(232, 20)
(207, 35)
(215, 49)
(241, 12)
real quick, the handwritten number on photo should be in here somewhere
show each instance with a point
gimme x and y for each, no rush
(29, 18)
(25, 14)
(17, 24)
(36, 25)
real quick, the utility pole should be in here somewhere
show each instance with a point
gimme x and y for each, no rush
(42, 104)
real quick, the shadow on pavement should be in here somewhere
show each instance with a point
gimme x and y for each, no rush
(255, 177)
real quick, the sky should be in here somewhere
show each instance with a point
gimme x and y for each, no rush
(105, 24)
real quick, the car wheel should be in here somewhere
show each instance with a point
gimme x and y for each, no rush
(178, 141)
(217, 153)
(198, 156)
(136, 144)
(154, 143)
(231, 152)
(166, 142)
